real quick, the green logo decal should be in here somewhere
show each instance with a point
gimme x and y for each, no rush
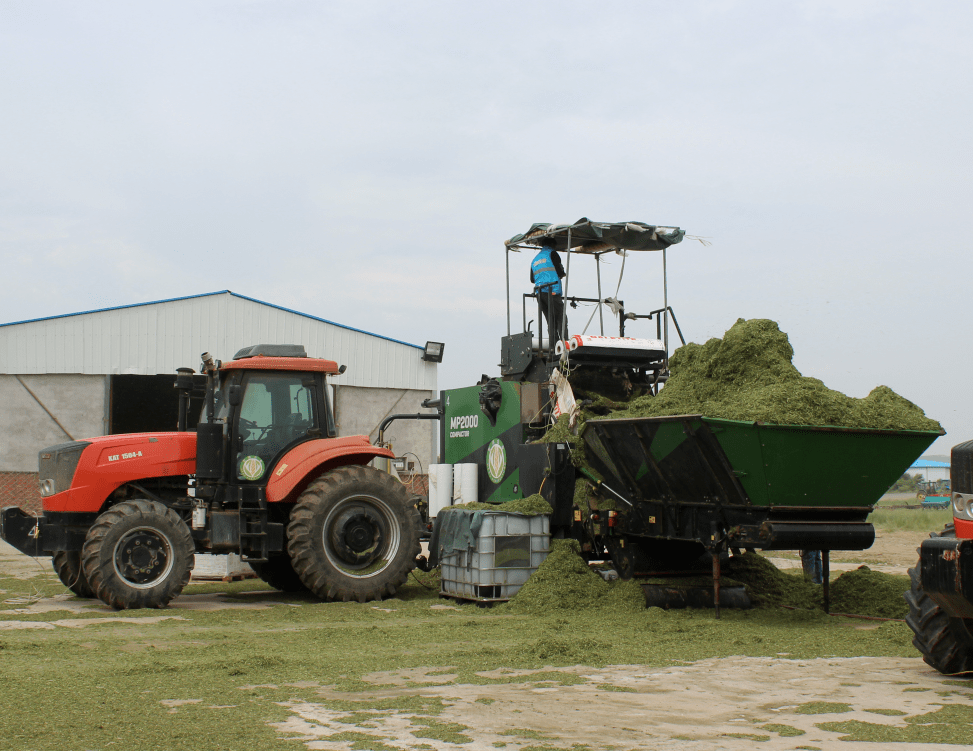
(252, 468)
(496, 460)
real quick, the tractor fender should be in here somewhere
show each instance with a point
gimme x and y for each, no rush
(303, 463)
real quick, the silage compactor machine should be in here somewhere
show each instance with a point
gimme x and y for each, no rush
(656, 494)
(264, 475)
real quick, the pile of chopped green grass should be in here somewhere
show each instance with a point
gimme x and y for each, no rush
(749, 374)
(867, 592)
(767, 585)
(565, 581)
(562, 582)
(532, 505)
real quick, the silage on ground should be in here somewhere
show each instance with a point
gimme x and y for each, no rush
(866, 592)
(565, 581)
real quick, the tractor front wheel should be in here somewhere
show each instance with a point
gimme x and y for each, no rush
(352, 535)
(946, 642)
(67, 565)
(138, 554)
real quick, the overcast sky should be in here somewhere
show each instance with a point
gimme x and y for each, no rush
(364, 161)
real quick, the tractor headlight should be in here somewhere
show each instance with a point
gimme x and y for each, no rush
(963, 506)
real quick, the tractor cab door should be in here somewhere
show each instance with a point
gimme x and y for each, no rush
(277, 411)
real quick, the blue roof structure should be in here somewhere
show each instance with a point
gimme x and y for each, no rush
(928, 464)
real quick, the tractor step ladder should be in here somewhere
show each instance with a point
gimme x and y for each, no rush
(252, 504)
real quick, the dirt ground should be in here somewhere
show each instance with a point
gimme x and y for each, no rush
(712, 704)
(728, 703)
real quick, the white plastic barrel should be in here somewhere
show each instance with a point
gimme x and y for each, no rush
(440, 488)
(464, 483)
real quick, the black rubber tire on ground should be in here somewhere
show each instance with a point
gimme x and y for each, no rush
(946, 643)
(279, 573)
(352, 535)
(138, 554)
(67, 565)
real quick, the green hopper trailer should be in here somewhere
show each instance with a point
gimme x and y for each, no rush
(735, 484)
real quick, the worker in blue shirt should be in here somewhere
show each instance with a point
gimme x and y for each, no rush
(546, 273)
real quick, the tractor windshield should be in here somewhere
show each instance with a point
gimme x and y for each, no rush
(278, 410)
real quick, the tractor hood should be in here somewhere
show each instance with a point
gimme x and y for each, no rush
(108, 462)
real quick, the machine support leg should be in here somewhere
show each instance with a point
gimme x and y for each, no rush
(716, 581)
(826, 578)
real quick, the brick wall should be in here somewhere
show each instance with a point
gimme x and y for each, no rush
(416, 483)
(20, 489)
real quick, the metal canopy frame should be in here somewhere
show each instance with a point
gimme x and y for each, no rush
(661, 237)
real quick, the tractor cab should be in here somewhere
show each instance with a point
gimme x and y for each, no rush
(263, 403)
(547, 342)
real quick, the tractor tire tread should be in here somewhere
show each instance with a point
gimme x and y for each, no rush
(99, 569)
(67, 565)
(305, 544)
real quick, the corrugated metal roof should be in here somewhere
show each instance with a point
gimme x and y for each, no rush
(928, 464)
(158, 337)
(208, 294)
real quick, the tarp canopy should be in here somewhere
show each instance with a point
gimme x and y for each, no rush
(598, 237)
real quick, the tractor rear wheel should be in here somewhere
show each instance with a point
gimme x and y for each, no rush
(352, 535)
(946, 642)
(279, 573)
(138, 554)
(67, 565)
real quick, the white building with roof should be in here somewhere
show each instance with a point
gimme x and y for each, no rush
(106, 371)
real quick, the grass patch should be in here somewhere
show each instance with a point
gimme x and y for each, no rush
(910, 520)
(888, 712)
(823, 707)
(447, 732)
(948, 724)
(362, 741)
(527, 733)
(786, 731)
(613, 687)
(746, 736)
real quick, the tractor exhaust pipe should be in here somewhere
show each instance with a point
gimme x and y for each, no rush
(184, 383)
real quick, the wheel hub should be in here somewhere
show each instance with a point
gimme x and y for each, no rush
(357, 535)
(142, 557)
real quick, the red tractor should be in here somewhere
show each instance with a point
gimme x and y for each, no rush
(264, 475)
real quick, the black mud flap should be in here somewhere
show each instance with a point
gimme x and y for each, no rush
(947, 574)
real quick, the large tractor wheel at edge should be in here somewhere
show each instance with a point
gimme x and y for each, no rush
(946, 643)
(67, 565)
(352, 535)
(138, 554)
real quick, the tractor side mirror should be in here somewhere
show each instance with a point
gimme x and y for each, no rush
(233, 396)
